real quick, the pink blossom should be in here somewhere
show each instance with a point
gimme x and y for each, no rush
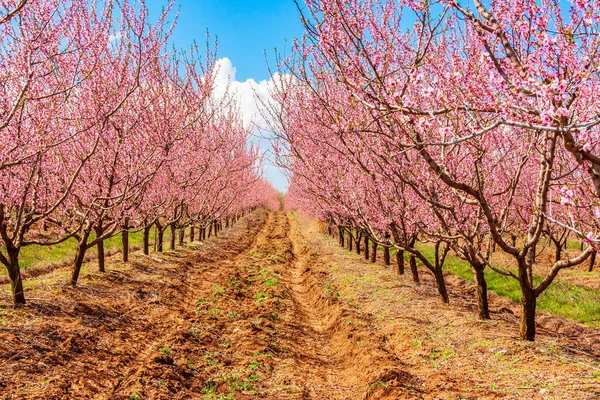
(562, 112)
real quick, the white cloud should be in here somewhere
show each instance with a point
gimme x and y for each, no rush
(248, 94)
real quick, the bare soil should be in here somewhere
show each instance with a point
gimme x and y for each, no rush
(273, 309)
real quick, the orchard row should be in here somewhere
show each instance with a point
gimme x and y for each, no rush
(471, 126)
(103, 130)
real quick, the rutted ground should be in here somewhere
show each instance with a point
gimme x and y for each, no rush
(86, 342)
(271, 310)
(451, 354)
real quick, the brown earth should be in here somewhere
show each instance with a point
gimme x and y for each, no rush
(272, 309)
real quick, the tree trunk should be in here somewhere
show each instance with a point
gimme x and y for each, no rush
(558, 251)
(342, 238)
(483, 311)
(173, 237)
(441, 285)
(125, 241)
(386, 255)
(14, 275)
(350, 241)
(99, 230)
(161, 236)
(528, 315)
(81, 248)
(366, 247)
(210, 227)
(529, 265)
(374, 252)
(413, 270)
(358, 237)
(181, 236)
(400, 261)
(147, 239)
(192, 233)
(592, 261)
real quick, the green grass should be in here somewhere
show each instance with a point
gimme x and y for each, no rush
(573, 244)
(65, 251)
(561, 298)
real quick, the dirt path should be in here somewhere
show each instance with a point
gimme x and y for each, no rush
(337, 356)
(90, 341)
(320, 366)
(270, 310)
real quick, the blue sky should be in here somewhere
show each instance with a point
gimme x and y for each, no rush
(245, 30)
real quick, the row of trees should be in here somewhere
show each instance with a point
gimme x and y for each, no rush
(102, 131)
(473, 127)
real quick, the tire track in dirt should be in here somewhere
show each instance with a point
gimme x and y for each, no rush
(202, 276)
(320, 367)
(228, 343)
(92, 342)
(244, 317)
(337, 356)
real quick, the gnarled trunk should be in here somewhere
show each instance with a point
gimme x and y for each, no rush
(366, 247)
(173, 237)
(160, 235)
(14, 275)
(374, 252)
(99, 231)
(441, 285)
(147, 239)
(528, 300)
(386, 255)
(125, 241)
(413, 270)
(400, 262)
(181, 236)
(592, 261)
(192, 233)
(79, 256)
(558, 251)
(483, 311)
